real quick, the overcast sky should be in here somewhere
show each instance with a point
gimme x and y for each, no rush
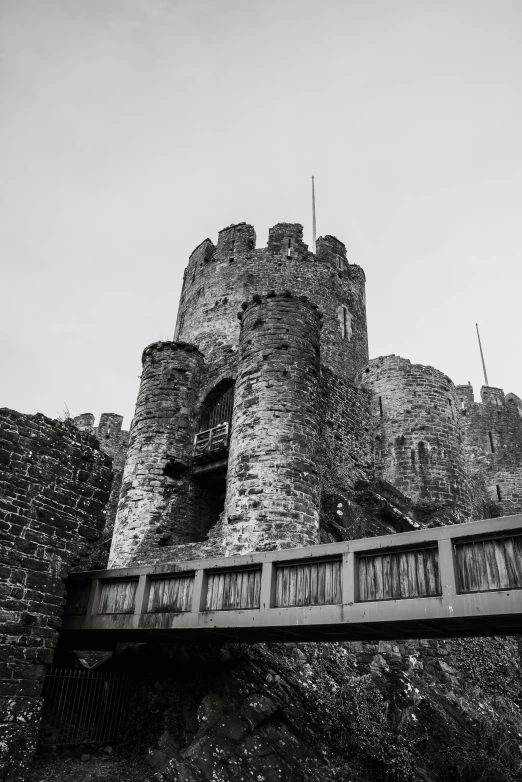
(130, 130)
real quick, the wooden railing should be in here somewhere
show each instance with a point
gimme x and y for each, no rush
(212, 441)
(464, 579)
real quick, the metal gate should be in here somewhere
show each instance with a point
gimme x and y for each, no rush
(83, 706)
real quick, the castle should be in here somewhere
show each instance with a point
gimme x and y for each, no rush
(260, 425)
(263, 425)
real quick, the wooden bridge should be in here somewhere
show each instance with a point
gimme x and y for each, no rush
(459, 580)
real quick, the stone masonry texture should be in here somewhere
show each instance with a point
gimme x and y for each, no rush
(155, 499)
(493, 445)
(218, 279)
(54, 486)
(418, 439)
(323, 446)
(273, 482)
(114, 441)
(290, 366)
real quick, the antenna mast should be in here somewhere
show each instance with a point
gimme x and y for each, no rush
(314, 234)
(482, 355)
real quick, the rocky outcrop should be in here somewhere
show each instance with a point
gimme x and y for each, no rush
(365, 712)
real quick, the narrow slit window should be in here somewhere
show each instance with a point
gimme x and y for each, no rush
(289, 249)
(499, 496)
(345, 318)
(491, 443)
(380, 407)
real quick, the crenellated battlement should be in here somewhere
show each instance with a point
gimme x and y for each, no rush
(234, 241)
(489, 395)
(218, 279)
(158, 347)
(258, 298)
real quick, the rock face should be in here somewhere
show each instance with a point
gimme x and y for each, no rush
(369, 712)
(54, 485)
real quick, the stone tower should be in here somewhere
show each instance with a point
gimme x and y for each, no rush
(250, 421)
(418, 437)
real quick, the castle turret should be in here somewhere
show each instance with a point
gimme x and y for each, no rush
(156, 500)
(418, 440)
(219, 278)
(273, 483)
(223, 439)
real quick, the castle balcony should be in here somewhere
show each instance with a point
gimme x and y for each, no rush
(211, 445)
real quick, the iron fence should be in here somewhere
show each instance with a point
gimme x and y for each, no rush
(83, 706)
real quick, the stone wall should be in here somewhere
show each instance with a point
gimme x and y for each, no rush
(418, 438)
(54, 485)
(113, 441)
(493, 445)
(345, 456)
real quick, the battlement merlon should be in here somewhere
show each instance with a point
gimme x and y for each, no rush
(110, 423)
(490, 395)
(283, 238)
(235, 240)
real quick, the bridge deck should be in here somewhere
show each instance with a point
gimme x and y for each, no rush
(457, 580)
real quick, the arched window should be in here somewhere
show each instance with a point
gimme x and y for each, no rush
(217, 408)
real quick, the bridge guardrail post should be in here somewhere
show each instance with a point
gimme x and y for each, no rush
(348, 578)
(448, 577)
(199, 591)
(266, 599)
(94, 598)
(141, 601)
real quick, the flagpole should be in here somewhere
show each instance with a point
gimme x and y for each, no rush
(314, 234)
(482, 355)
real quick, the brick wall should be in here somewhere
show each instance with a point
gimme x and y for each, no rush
(54, 484)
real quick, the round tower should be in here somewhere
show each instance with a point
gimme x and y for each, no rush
(157, 502)
(218, 278)
(418, 439)
(273, 488)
